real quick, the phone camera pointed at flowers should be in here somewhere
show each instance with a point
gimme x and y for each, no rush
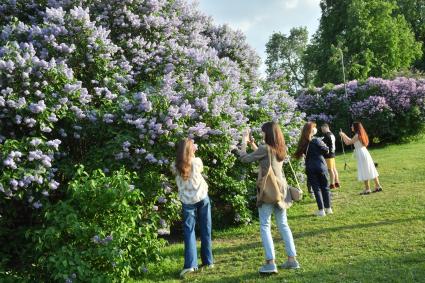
(250, 137)
(245, 135)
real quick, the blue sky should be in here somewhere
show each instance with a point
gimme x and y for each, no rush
(258, 19)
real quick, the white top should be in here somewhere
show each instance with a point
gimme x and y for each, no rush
(195, 188)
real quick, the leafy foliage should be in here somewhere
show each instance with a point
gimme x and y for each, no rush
(101, 232)
(414, 13)
(373, 40)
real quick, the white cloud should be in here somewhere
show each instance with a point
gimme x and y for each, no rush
(290, 4)
(246, 25)
(294, 4)
(312, 3)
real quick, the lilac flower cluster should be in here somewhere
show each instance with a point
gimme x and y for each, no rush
(124, 81)
(36, 158)
(374, 100)
(370, 106)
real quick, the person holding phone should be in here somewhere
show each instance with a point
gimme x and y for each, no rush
(196, 206)
(366, 169)
(271, 154)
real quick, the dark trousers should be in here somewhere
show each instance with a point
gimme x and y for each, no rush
(319, 183)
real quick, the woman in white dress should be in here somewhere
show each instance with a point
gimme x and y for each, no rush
(366, 169)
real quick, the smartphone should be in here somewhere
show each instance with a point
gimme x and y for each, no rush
(251, 138)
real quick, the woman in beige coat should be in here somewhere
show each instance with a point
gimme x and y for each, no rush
(275, 145)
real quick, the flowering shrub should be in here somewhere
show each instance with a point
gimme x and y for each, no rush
(390, 109)
(111, 84)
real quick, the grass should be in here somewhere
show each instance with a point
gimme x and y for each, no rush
(374, 238)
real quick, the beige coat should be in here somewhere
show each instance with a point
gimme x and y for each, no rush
(261, 155)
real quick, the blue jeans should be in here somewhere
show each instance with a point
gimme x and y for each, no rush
(200, 211)
(265, 211)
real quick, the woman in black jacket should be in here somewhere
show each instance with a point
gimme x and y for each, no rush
(313, 149)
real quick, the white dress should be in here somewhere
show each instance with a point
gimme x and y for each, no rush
(366, 169)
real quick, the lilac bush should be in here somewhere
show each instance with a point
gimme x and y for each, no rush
(392, 110)
(112, 84)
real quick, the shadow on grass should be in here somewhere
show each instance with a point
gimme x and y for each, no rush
(354, 226)
(176, 255)
(313, 233)
(405, 268)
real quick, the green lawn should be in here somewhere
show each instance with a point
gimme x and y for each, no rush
(374, 238)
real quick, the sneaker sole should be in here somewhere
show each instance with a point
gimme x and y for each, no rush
(186, 273)
(290, 267)
(283, 267)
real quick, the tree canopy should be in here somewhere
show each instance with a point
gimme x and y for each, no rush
(374, 39)
(285, 53)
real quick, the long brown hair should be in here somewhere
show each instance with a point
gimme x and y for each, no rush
(184, 158)
(361, 133)
(275, 139)
(304, 139)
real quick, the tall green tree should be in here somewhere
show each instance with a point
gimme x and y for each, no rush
(285, 53)
(372, 37)
(414, 13)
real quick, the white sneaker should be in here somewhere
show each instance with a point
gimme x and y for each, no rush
(329, 210)
(186, 271)
(320, 213)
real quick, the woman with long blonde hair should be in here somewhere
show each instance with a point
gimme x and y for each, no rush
(271, 154)
(193, 193)
(366, 169)
(313, 150)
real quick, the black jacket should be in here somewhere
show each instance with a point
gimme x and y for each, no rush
(314, 160)
(330, 140)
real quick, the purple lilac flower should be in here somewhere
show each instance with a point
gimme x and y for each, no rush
(35, 142)
(96, 239)
(168, 189)
(162, 200)
(53, 185)
(46, 129)
(54, 143)
(37, 205)
(38, 107)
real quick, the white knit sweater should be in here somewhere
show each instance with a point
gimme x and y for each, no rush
(195, 188)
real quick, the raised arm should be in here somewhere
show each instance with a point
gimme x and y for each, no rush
(259, 154)
(347, 140)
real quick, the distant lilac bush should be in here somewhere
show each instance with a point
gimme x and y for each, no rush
(110, 84)
(391, 110)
